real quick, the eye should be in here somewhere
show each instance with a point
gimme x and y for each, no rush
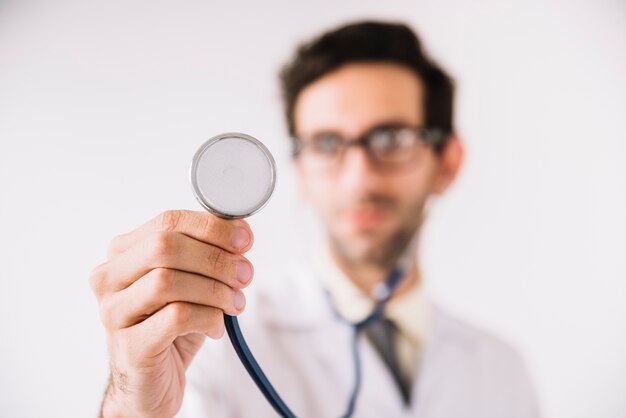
(327, 143)
(390, 140)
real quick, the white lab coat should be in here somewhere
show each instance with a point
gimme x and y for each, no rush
(305, 352)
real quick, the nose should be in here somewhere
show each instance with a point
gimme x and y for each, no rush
(357, 171)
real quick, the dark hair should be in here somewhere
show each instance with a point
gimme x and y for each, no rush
(369, 41)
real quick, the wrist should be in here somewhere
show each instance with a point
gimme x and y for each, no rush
(111, 404)
(110, 410)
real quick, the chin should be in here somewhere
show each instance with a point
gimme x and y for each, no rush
(362, 250)
(372, 246)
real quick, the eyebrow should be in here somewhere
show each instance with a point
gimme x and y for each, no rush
(391, 123)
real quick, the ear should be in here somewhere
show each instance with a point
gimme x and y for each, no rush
(450, 162)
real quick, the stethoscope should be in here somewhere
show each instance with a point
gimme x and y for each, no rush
(233, 176)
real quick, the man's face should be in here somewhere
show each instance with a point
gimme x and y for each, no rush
(370, 213)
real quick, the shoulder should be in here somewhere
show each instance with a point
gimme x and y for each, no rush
(487, 351)
(470, 336)
(481, 362)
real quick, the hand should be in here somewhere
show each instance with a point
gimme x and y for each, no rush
(163, 288)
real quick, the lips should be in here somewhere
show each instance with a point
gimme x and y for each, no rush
(366, 218)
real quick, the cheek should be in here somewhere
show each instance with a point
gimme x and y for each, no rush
(414, 188)
(321, 196)
(315, 190)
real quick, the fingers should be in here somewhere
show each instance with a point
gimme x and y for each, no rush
(161, 287)
(156, 334)
(231, 235)
(175, 275)
(173, 251)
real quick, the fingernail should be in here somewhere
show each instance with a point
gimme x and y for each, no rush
(240, 301)
(244, 271)
(240, 238)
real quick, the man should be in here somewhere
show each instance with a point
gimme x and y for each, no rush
(371, 118)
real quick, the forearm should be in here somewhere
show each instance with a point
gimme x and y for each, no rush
(107, 407)
(111, 406)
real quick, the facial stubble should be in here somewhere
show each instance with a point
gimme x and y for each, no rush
(385, 254)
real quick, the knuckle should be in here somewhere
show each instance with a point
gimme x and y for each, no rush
(96, 279)
(218, 331)
(207, 222)
(216, 326)
(221, 294)
(114, 246)
(215, 228)
(213, 287)
(161, 282)
(218, 292)
(179, 314)
(162, 243)
(219, 260)
(168, 220)
(107, 310)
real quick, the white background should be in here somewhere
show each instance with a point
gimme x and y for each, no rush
(103, 103)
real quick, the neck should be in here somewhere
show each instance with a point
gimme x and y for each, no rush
(366, 275)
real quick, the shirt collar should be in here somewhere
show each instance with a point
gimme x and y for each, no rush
(410, 311)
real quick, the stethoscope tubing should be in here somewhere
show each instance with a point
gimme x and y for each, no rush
(254, 370)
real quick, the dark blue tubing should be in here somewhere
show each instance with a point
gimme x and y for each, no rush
(262, 382)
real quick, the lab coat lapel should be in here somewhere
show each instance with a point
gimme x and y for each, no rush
(316, 332)
(445, 384)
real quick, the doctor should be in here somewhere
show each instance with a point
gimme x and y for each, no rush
(373, 137)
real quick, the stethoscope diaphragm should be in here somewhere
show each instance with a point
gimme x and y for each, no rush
(233, 175)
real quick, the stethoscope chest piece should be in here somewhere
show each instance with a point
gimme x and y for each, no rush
(233, 175)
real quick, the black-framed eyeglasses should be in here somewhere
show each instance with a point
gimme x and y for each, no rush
(386, 145)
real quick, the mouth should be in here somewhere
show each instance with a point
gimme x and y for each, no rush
(365, 218)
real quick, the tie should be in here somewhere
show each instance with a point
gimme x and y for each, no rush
(382, 332)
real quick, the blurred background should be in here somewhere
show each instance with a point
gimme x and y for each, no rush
(103, 103)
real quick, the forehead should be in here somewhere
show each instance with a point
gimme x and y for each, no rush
(358, 96)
